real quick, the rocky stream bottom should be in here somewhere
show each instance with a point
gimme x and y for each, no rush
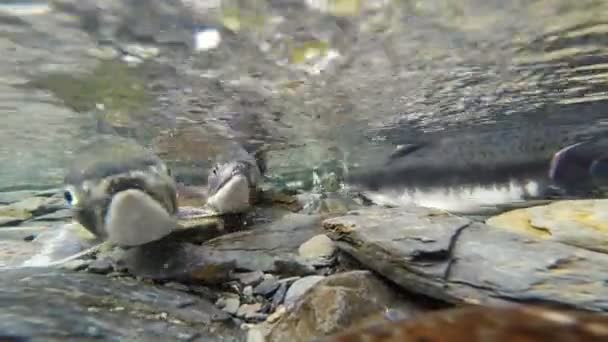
(295, 269)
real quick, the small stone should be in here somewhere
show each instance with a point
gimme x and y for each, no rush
(250, 278)
(248, 310)
(76, 265)
(319, 250)
(280, 311)
(266, 287)
(300, 287)
(101, 266)
(248, 291)
(231, 305)
(293, 266)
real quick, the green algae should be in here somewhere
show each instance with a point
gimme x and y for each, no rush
(112, 83)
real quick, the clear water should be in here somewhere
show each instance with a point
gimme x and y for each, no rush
(324, 83)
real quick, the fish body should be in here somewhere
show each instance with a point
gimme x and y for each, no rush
(476, 173)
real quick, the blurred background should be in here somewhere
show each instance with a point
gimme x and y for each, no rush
(323, 84)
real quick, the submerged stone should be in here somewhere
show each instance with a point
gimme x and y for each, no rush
(459, 261)
(59, 305)
(580, 223)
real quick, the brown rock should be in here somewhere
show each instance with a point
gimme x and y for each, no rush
(335, 303)
(477, 324)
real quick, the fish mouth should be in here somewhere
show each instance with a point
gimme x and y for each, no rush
(232, 196)
(135, 218)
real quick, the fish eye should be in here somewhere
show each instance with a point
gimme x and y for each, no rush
(69, 197)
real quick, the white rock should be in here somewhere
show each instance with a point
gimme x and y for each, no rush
(300, 287)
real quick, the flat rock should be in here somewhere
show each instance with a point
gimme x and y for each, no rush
(460, 261)
(580, 223)
(259, 247)
(59, 305)
(336, 303)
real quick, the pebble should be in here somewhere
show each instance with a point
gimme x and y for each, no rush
(230, 305)
(319, 250)
(101, 266)
(248, 311)
(266, 287)
(248, 291)
(300, 287)
(250, 278)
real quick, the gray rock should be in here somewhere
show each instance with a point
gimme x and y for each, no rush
(101, 266)
(259, 247)
(58, 305)
(171, 259)
(297, 289)
(249, 278)
(459, 261)
(266, 287)
(229, 304)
